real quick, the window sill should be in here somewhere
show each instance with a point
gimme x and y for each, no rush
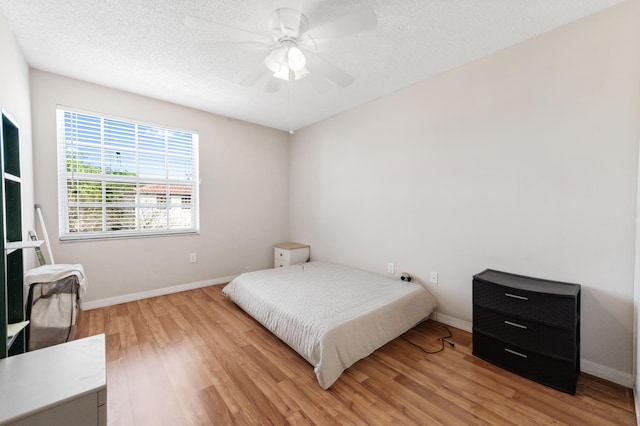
(124, 235)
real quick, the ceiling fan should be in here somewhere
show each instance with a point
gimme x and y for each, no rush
(292, 49)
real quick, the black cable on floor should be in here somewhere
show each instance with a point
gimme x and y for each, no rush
(442, 340)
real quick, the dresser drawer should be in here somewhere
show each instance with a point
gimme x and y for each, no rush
(554, 372)
(281, 254)
(293, 256)
(277, 263)
(535, 306)
(552, 341)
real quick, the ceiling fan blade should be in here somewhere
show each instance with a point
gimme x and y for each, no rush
(229, 32)
(362, 19)
(319, 83)
(327, 69)
(289, 22)
(273, 85)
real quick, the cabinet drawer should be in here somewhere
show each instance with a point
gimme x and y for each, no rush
(293, 256)
(557, 373)
(277, 263)
(553, 341)
(281, 254)
(102, 415)
(545, 308)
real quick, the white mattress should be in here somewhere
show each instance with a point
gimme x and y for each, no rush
(331, 315)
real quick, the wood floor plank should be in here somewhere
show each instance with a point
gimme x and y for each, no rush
(195, 358)
(307, 408)
(217, 410)
(616, 395)
(327, 401)
(145, 409)
(289, 362)
(120, 411)
(364, 399)
(254, 403)
(469, 410)
(434, 385)
(416, 407)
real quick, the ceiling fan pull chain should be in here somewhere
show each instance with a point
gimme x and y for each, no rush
(289, 84)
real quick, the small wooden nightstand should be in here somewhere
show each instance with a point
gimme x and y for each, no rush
(286, 254)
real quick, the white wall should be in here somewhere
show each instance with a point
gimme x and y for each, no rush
(524, 161)
(15, 100)
(243, 195)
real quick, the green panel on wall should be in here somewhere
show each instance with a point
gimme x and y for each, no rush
(13, 210)
(14, 266)
(15, 298)
(11, 146)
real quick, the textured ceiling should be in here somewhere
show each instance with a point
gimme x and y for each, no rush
(144, 47)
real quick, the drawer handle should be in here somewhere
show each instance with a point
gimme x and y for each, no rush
(516, 353)
(513, 324)
(280, 254)
(515, 296)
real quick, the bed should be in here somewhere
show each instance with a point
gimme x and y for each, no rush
(332, 315)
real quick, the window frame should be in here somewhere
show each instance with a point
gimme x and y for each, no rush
(64, 175)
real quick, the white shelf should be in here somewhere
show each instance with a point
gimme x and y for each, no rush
(13, 330)
(17, 245)
(9, 176)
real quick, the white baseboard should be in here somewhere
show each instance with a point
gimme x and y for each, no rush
(607, 373)
(453, 321)
(109, 301)
(589, 367)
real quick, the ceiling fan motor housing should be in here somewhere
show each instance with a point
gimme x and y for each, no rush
(288, 22)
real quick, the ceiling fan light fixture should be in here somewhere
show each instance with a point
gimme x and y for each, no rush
(282, 73)
(301, 73)
(276, 59)
(296, 59)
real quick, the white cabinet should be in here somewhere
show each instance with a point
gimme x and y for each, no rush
(64, 384)
(286, 254)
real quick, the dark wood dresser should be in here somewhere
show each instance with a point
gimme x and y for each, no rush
(528, 326)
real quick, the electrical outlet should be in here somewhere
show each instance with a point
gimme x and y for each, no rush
(433, 278)
(192, 258)
(391, 268)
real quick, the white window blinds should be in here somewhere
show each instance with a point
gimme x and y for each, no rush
(120, 178)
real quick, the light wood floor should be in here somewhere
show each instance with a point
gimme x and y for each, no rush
(194, 358)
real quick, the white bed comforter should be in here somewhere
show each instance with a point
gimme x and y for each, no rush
(331, 315)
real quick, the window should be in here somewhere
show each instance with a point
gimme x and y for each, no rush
(120, 178)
